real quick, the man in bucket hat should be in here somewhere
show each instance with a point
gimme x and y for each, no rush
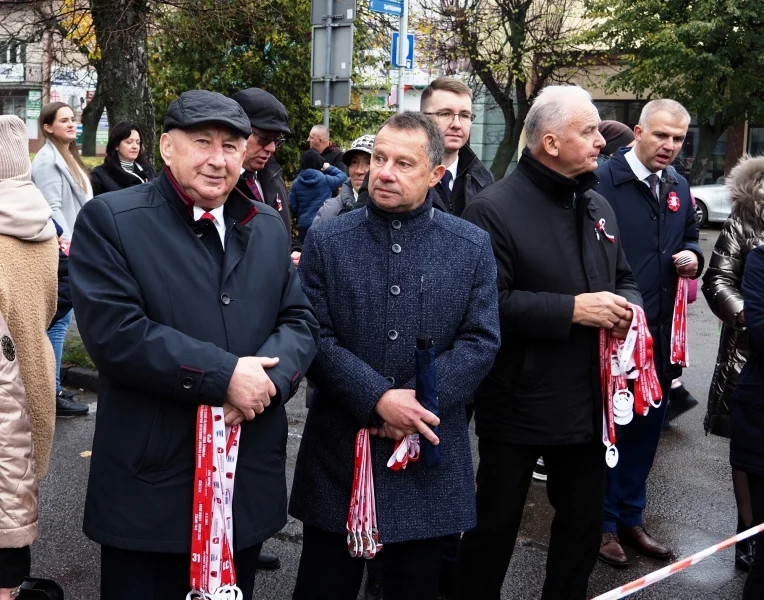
(186, 298)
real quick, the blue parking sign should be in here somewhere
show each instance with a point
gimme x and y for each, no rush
(409, 51)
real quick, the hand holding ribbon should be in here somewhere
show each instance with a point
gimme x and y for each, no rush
(250, 389)
(401, 409)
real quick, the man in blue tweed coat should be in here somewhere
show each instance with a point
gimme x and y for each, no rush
(413, 270)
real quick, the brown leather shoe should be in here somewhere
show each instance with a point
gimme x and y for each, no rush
(636, 537)
(611, 551)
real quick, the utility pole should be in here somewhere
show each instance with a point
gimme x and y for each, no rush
(402, 43)
(328, 76)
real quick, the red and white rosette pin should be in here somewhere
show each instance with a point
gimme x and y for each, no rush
(363, 534)
(601, 229)
(213, 576)
(672, 202)
(679, 351)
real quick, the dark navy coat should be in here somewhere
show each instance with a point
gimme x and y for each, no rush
(310, 190)
(165, 326)
(650, 235)
(747, 419)
(421, 272)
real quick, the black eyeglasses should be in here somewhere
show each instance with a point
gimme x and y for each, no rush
(446, 116)
(265, 140)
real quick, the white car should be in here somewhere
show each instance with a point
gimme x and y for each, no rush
(712, 203)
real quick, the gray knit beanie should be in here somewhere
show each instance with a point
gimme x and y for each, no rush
(14, 149)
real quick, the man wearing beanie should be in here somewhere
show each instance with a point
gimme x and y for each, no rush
(617, 135)
(261, 177)
(29, 251)
(186, 299)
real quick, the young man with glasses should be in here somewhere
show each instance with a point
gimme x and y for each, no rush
(449, 102)
(261, 178)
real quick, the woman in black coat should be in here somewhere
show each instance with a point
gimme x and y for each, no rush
(125, 164)
(747, 417)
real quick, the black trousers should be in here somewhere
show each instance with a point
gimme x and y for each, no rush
(327, 571)
(754, 584)
(575, 487)
(127, 574)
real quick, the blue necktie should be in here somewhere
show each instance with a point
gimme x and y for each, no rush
(445, 181)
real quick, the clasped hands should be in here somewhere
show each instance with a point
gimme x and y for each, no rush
(403, 415)
(250, 389)
(603, 309)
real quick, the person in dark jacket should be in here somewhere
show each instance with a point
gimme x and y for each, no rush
(559, 283)
(318, 140)
(616, 135)
(125, 164)
(185, 296)
(722, 286)
(449, 102)
(313, 187)
(261, 177)
(747, 417)
(659, 231)
(413, 271)
(357, 160)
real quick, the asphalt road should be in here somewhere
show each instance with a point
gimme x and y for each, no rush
(691, 504)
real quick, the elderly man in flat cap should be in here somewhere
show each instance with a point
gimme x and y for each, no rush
(186, 297)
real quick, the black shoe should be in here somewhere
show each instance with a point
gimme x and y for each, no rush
(67, 407)
(66, 394)
(373, 590)
(539, 471)
(680, 401)
(744, 550)
(268, 560)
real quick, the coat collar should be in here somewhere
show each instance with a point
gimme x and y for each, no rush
(469, 162)
(61, 165)
(552, 181)
(622, 171)
(420, 215)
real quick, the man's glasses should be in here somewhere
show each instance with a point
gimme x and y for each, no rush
(446, 116)
(266, 140)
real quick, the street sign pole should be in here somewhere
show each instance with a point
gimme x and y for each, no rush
(328, 74)
(402, 43)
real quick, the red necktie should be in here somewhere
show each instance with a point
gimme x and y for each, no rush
(251, 180)
(208, 216)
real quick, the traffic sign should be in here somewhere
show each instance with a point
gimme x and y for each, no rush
(408, 51)
(386, 7)
(343, 11)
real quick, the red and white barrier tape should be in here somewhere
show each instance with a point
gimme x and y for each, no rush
(643, 582)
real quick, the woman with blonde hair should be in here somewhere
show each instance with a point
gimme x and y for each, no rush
(59, 173)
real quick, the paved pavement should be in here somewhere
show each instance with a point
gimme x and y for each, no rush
(691, 504)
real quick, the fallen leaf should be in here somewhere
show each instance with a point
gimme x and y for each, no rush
(86, 453)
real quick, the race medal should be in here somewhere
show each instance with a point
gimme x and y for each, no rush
(673, 202)
(611, 456)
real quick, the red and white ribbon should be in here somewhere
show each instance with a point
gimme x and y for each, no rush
(679, 352)
(213, 576)
(654, 577)
(406, 451)
(363, 535)
(620, 360)
(601, 229)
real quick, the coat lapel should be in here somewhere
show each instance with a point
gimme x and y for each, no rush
(237, 240)
(62, 166)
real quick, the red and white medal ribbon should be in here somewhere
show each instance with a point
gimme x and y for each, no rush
(213, 576)
(620, 360)
(679, 352)
(406, 451)
(363, 535)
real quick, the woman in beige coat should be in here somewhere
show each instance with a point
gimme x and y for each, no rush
(28, 291)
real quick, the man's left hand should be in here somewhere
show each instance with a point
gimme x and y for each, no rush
(296, 258)
(621, 329)
(233, 416)
(686, 263)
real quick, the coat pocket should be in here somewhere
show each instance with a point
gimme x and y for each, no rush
(155, 453)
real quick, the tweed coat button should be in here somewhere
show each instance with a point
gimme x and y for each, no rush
(395, 290)
(396, 248)
(392, 334)
(396, 224)
(390, 379)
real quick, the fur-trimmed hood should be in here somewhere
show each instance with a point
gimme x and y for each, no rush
(746, 185)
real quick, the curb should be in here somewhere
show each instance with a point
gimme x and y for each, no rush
(78, 377)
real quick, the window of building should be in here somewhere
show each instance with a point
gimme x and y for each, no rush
(756, 140)
(13, 52)
(14, 105)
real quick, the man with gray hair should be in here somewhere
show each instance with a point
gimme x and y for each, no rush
(318, 140)
(560, 280)
(660, 238)
(414, 272)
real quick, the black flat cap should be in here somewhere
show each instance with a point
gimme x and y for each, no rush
(263, 110)
(198, 107)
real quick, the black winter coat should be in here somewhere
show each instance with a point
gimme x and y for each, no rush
(544, 387)
(471, 178)
(651, 234)
(274, 194)
(165, 328)
(111, 177)
(747, 442)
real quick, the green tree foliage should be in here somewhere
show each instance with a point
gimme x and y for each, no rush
(707, 54)
(233, 45)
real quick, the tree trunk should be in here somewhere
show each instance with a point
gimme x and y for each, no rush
(123, 75)
(90, 118)
(708, 134)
